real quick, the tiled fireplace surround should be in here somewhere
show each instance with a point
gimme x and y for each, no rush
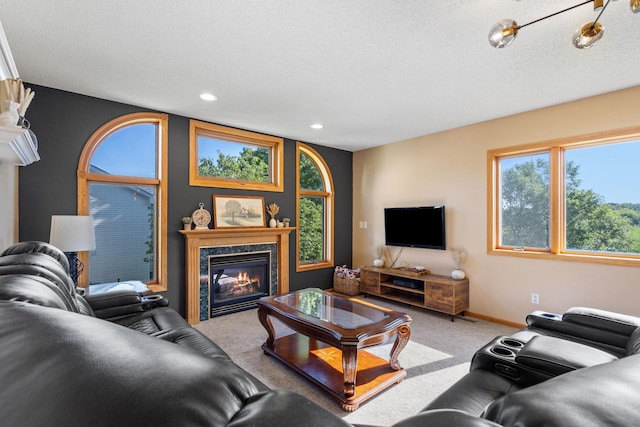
(200, 244)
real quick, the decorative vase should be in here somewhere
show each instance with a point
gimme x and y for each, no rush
(458, 274)
(280, 224)
(273, 223)
(10, 116)
(186, 226)
(378, 262)
(286, 223)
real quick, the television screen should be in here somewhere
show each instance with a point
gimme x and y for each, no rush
(415, 227)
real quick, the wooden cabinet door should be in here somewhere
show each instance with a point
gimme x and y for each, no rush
(447, 296)
(369, 282)
(439, 297)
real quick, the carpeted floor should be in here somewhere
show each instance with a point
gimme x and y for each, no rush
(437, 355)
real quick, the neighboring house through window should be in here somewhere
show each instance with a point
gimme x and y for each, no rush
(574, 199)
(314, 194)
(122, 180)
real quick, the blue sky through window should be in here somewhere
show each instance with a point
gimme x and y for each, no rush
(130, 151)
(209, 147)
(611, 170)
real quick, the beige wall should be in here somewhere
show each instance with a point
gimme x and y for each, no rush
(449, 168)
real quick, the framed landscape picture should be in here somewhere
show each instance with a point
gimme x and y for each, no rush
(238, 211)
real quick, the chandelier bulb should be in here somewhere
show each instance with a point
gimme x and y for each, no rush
(635, 6)
(503, 33)
(588, 35)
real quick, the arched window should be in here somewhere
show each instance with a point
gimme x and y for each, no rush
(122, 183)
(314, 195)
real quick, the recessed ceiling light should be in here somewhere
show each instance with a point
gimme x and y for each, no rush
(316, 126)
(208, 96)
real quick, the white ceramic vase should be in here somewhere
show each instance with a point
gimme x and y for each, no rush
(458, 274)
(10, 116)
(273, 223)
(378, 262)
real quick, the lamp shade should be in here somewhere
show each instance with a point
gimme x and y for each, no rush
(72, 233)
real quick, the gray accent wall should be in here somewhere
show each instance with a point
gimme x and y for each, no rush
(64, 121)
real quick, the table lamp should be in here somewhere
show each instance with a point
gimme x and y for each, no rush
(72, 234)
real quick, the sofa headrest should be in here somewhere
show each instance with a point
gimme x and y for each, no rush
(32, 289)
(31, 247)
(45, 262)
(44, 267)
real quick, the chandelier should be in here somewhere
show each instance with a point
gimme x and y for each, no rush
(506, 30)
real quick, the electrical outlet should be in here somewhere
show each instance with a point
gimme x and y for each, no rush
(535, 298)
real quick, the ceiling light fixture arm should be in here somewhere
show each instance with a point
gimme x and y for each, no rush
(600, 14)
(558, 13)
(504, 32)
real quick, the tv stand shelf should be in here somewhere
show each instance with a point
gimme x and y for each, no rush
(431, 291)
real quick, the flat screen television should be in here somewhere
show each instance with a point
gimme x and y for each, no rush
(415, 227)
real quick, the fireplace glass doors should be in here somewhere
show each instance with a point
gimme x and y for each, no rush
(237, 281)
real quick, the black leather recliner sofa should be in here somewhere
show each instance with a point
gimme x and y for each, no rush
(118, 360)
(581, 368)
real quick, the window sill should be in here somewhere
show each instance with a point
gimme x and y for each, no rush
(313, 266)
(620, 260)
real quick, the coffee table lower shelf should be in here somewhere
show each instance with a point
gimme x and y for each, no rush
(322, 364)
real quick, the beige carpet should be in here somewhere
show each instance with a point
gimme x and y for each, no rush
(437, 355)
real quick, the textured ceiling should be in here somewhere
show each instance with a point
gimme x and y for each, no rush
(372, 71)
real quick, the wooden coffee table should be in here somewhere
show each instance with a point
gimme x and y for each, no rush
(330, 335)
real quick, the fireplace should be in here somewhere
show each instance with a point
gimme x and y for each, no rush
(200, 245)
(237, 281)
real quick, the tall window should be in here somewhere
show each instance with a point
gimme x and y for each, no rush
(314, 193)
(573, 199)
(122, 176)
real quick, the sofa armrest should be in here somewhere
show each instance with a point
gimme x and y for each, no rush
(600, 319)
(110, 305)
(557, 356)
(607, 330)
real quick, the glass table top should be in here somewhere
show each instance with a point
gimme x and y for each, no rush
(326, 307)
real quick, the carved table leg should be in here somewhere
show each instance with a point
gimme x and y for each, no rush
(404, 333)
(350, 369)
(266, 322)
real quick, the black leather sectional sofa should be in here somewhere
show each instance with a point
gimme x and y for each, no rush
(581, 368)
(118, 359)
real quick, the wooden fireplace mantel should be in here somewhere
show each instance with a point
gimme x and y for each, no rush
(196, 239)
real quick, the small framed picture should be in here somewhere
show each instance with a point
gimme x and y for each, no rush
(238, 211)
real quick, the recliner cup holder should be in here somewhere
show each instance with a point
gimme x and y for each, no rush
(510, 342)
(502, 351)
(550, 315)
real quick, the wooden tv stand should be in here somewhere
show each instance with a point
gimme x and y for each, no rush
(434, 292)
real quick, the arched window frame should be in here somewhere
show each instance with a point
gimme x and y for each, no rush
(85, 177)
(328, 196)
